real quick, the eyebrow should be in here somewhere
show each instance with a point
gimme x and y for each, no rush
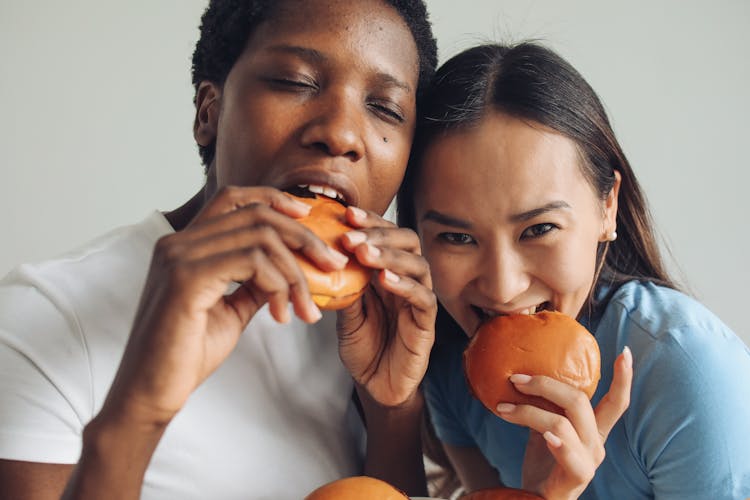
(549, 207)
(447, 220)
(315, 56)
(388, 80)
(305, 53)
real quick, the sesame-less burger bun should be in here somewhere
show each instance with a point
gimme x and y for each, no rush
(501, 494)
(357, 488)
(331, 289)
(547, 343)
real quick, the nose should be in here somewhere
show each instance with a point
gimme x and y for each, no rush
(503, 277)
(336, 126)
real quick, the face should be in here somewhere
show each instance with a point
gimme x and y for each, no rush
(323, 95)
(508, 222)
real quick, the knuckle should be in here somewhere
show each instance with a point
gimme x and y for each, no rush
(167, 249)
(255, 255)
(599, 454)
(410, 237)
(227, 194)
(430, 299)
(264, 233)
(559, 425)
(543, 383)
(580, 399)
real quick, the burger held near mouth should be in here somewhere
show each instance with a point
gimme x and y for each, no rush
(331, 290)
(546, 343)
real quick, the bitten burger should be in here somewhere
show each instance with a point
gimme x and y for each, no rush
(331, 289)
(546, 343)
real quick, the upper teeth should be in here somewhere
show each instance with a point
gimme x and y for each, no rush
(492, 313)
(324, 190)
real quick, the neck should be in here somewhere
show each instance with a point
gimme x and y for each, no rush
(180, 217)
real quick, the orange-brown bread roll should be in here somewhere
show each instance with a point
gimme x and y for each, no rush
(331, 289)
(546, 343)
(357, 488)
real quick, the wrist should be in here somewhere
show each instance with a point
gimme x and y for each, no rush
(114, 457)
(409, 409)
(116, 438)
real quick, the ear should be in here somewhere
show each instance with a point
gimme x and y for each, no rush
(610, 209)
(207, 105)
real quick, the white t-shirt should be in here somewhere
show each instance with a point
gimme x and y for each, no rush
(273, 422)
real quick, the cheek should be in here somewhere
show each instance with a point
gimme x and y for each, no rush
(569, 269)
(450, 275)
(386, 171)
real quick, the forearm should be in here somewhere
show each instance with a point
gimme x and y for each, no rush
(394, 445)
(114, 459)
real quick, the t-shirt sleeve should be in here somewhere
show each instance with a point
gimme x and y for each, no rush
(446, 393)
(45, 396)
(690, 415)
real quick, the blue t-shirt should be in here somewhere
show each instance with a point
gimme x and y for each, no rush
(686, 433)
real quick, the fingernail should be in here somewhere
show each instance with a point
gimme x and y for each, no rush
(358, 213)
(505, 407)
(355, 237)
(339, 257)
(373, 252)
(315, 312)
(519, 378)
(555, 441)
(628, 356)
(300, 205)
(391, 276)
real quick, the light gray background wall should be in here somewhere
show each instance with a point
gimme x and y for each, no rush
(96, 115)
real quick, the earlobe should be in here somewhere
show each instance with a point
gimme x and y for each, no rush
(207, 105)
(610, 210)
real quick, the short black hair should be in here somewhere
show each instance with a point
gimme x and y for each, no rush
(226, 26)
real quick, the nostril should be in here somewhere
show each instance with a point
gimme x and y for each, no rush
(322, 146)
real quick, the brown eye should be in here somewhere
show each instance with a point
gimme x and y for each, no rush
(456, 238)
(538, 230)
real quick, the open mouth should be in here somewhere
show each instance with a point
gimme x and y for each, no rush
(487, 314)
(311, 190)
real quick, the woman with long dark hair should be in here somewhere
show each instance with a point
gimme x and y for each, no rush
(524, 201)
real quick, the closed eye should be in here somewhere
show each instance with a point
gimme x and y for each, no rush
(538, 230)
(457, 238)
(389, 111)
(295, 83)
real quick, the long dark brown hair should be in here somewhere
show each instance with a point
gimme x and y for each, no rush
(533, 83)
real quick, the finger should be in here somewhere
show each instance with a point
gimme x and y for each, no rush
(400, 262)
(579, 465)
(266, 239)
(539, 420)
(358, 217)
(232, 198)
(259, 275)
(421, 299)
(295, 235)
(389, 236)
(573, 401)
(616, 401)
(236, 229)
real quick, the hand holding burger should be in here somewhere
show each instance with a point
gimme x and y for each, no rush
(530, 370)
(547, 343)
(331, 290)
